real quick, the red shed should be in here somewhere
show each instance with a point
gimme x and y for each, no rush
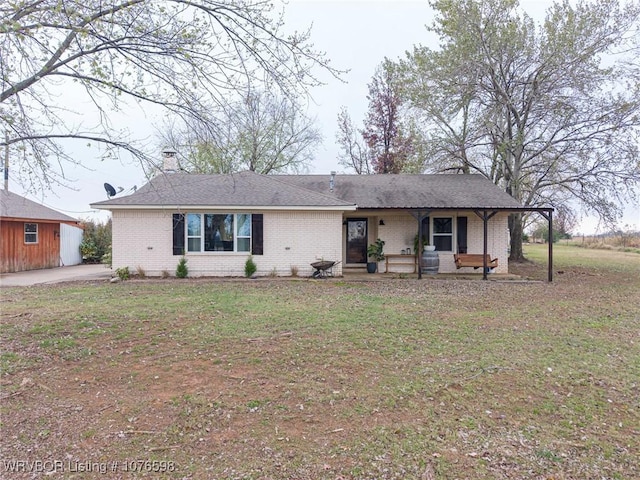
(29, 234)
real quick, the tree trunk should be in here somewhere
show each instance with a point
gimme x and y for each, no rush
(515, 232)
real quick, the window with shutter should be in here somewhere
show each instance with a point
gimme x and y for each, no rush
(257, 233)
(178, 234)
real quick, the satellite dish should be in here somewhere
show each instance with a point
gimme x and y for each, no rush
(110, 190)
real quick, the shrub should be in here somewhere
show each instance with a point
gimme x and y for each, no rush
(181, 270)
(141, 272)
(107, 258)
(89, 251)
(96, 241)
(294, 271)
(250, 267)
(123, 273)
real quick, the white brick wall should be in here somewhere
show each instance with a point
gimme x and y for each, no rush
(291, 238)
(298, 239)
(398, 233)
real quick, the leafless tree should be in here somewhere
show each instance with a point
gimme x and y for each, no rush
(261, 132)
(548, 112)
(182, 56)
(355, 153)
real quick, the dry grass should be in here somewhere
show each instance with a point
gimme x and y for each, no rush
(305, 379)
(623, 240)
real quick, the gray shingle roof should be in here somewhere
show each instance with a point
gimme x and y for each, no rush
(16, 206)
(411, 191)
(239, 189)
(366, 191)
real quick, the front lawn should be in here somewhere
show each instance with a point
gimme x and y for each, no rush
(328, 379)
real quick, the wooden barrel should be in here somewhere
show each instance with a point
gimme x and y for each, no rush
(430, 262)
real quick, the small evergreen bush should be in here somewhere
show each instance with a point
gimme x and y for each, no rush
(181, 270)
(250, 267)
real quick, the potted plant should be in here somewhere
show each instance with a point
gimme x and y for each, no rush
(375, 254)
(417, 248)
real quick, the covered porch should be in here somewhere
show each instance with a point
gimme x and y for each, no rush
(483, 233)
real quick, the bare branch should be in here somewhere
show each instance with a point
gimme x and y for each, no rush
(181, 55)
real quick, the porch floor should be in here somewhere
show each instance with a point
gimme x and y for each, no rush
(362, 275)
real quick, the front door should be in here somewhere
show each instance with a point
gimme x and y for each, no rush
(356, 240)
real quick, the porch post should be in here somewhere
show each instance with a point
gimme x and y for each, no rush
(485, 240)
(550, 260)
(419, 215)
(485, 216)
(419, 252)
(548, 214)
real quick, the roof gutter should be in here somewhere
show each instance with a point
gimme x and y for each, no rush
(244, 208)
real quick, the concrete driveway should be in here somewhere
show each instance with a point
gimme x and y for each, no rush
(55, 275)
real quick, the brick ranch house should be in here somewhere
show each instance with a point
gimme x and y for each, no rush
(288, 222)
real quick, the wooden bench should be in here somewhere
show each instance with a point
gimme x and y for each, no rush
(474, 260)
(400, 259)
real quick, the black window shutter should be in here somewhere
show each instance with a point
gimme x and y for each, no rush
(462, 234)
(178, 233)
(256, 234)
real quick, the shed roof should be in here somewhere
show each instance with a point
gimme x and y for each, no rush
(249, 189)
(13, 205)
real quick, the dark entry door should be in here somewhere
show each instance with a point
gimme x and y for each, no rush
(356, 240)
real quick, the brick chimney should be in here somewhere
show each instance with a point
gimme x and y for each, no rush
(170, 161)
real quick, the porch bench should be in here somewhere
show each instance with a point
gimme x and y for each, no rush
(474, 260)
(400, 259)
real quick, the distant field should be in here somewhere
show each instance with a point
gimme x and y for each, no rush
(622, 240)
(604, 261)
(329, 379)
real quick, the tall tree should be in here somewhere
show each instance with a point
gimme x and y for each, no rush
(182, 56)
(355, 154)
(390, 149)
(261, 132)
(388, 143)
(548, 112)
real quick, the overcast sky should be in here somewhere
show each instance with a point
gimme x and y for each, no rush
(355, 35)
